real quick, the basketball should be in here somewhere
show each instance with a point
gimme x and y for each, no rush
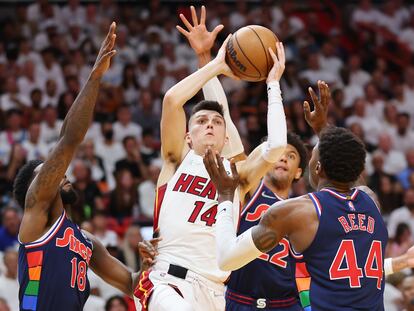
(247, 52)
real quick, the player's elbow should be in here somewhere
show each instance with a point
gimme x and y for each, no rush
(225, 265)
(170, 99)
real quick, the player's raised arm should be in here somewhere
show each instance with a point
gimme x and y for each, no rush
(114, 272)
(202, 41)
(44, 188)
(264, 156)
(173, 122)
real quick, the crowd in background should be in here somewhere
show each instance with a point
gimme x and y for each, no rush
(363, 50)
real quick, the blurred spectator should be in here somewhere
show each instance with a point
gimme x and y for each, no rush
(130, 85)
(407, 288)
(87, 153)
(404, 175)
(124, 126)
(27, 82)
(129, 253)
(133, 161)
(12, 98)
(100, 229)
(9, 286)
(89, 196)
(147, 189)
(124, 198)
(13, 134)
(403, 136)
(35, 148)
(394, 161)
(404, 214)
(290, 84)
(51, 126)
(402, 241)
(315, 72)
(50, 97)
(49, 69)
(109, 150)
(149, 146)
(9, 229)
(365, 15)
(144, 112)
(116, 303)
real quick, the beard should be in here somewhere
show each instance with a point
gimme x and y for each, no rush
(69, 197)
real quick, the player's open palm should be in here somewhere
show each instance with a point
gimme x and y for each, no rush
(224, 183)
(278, 63)
(200, 39)
(105, 54)
(318, 118)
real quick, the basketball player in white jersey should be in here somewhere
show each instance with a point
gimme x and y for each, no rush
(186, 275)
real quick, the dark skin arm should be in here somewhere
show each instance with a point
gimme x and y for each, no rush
(41, 206)
(114, 272)
(295, 218)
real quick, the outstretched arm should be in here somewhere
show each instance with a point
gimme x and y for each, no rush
(173, 122)
(202, 41)
(233, 251)
(45, 185)
(264, 156)
(114, 272)
(396, 264)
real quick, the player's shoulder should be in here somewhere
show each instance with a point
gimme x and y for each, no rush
(301, 205)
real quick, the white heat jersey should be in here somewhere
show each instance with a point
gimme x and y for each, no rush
(185, 213)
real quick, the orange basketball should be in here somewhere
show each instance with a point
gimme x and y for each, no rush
(247, 52)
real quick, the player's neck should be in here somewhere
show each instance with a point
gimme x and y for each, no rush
(281, 190)
(337, 186)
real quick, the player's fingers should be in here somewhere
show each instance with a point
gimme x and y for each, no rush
(313, 96)
(234, 172)
(280, 52)
(208, 164)
(194, 16)
(326, 94)
(111, 31)
(273, 55)
(220, 165)
(217, 29)
(155, 241)
(203, 15)
(186, 22)
(224, 45)
(306, 110)
(111, 43)
(108, 55)
(184, 32)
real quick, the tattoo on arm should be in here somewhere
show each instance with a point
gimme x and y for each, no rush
(265, 236)
(76, 124)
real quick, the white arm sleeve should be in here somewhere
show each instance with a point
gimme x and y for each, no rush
(276, 124)
(233, 252)
(213, 90)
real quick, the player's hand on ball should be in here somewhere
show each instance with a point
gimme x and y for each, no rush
(318, 118)
(200, 39)
(278, 63)
(105, 54)
(220, 60)
(224, 183)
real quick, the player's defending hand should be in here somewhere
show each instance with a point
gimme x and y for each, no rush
(278, 63)
(105, 54)
(224, 183)
(201, 40)
(147, 251)
(318, 118)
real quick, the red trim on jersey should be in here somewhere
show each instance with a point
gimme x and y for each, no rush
(316, 203)
(340, 196)
(159, 197)
(144, 289)
(51, 234)
(272, 303)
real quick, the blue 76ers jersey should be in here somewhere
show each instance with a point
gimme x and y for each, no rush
(53, 269)
(345, 259)
(272, 275)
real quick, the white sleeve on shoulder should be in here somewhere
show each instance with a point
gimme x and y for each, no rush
(213, 90)
(233, 252)
(276, 124)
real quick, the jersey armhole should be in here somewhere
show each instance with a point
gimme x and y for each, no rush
(317, 204)
(48, 235)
